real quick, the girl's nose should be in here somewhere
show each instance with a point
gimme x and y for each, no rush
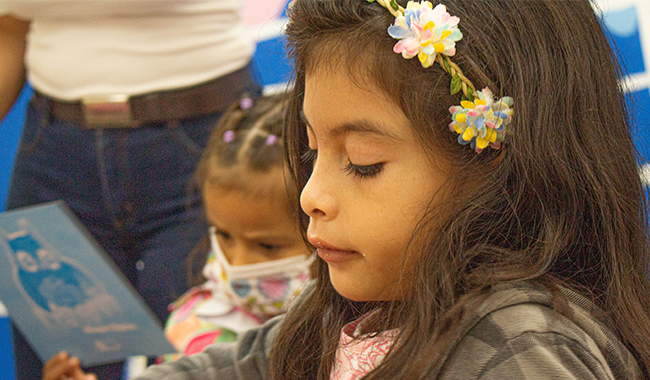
(317, 199)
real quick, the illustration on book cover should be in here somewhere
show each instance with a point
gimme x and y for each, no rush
(62, 293)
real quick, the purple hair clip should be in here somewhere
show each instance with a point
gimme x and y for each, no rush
(245, 103)
(271, 140)
(229, 136)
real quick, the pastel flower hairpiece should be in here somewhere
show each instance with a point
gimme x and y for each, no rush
(431, 34)
(483, 121)
(425, 32)
(290, 9)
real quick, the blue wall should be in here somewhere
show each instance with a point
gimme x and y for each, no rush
(632, 43)
(10, 131)
(7, 371)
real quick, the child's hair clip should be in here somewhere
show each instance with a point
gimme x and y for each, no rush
(229, 136)
(271, 140)
(245, 103)
(430, 33)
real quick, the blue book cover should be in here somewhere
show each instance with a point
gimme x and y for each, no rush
(64, 293)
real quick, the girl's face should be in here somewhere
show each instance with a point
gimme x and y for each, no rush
(370, 183)
(253, 229)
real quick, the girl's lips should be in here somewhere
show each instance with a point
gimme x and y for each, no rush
(336, 256)
(330, 253)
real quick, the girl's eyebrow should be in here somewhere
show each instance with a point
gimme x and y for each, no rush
(362, 126)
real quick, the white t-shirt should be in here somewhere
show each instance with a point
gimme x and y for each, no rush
(77, 48)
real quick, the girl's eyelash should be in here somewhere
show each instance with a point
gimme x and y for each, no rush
(364, 171)
(309, 156)
(359, 171)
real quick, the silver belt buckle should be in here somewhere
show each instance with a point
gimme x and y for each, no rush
(107, 111)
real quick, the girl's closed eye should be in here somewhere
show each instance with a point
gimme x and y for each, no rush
(364, 171)
(360, 171)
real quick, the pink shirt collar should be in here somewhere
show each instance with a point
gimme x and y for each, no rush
(356, 355)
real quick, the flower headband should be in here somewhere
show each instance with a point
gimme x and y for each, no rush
(431, 34)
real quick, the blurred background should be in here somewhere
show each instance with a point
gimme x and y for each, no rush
(627, 21)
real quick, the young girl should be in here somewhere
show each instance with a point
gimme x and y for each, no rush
(472, 192)
(258, 260)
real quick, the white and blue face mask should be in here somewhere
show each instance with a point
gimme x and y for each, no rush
(263, 289)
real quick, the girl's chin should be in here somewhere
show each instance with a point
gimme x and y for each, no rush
(360, 292)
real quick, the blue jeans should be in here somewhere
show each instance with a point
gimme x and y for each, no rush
(130, 188)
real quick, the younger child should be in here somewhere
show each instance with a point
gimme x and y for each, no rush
(258, 260)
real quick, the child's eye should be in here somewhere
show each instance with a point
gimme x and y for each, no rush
(364, 171)
(223, 235)
(270, 247)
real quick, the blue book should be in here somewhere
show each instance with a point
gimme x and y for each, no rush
(65, 294)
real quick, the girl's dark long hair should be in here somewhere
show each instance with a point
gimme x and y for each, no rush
(562, 204)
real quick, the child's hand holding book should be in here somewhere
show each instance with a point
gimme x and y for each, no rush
(61, 366)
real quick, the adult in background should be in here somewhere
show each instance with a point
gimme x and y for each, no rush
(126, 94)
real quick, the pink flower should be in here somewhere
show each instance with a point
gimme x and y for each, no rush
(424, 31)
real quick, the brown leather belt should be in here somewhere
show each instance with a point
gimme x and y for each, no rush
(122, 111)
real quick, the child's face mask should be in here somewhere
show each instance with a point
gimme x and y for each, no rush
(261, 288)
